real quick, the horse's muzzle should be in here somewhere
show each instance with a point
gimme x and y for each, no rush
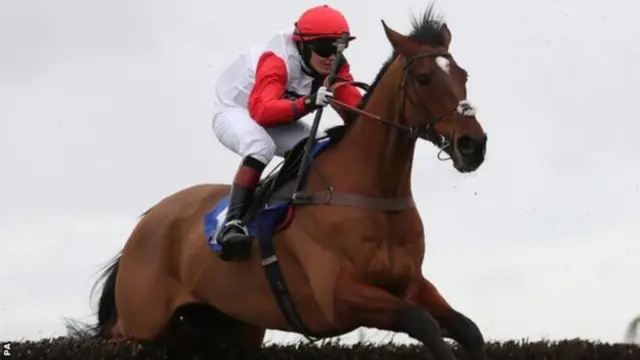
(469, 152)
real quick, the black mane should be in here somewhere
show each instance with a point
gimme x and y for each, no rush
(425, 30)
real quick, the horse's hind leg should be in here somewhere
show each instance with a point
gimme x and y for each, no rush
(201, 325)
(146, 303)
(454, 324)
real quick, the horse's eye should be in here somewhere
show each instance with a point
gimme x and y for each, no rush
(423, 79)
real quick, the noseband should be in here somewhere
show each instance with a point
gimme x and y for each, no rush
(426, 131)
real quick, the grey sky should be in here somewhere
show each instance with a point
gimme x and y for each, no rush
(105, 108)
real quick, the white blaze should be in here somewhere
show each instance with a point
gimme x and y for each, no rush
(465, 108)
(444, 63)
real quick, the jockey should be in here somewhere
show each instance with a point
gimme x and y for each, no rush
(262, 94)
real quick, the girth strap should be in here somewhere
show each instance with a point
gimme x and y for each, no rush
(328, 197)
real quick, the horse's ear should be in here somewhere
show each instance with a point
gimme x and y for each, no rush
(400, 43)
(445, 34)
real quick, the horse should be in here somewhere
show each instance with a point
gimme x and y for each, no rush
(633, 329)
(342, 250)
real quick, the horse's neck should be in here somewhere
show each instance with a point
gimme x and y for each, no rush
(378, 156)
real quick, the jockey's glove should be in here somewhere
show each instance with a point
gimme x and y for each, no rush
(318, 99)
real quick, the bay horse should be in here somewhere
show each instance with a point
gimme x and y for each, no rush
(344, 252)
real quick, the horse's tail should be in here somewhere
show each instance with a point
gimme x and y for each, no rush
(107, 313)
(632, 330)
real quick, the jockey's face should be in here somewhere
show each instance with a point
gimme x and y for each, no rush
(321, 64)
(323, 53)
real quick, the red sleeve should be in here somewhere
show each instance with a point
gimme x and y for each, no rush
(348, 94)
(266, 104)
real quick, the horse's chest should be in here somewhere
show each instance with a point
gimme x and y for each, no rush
(383, 251)
(391, 268)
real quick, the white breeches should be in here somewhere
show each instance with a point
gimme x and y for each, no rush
(237, 131)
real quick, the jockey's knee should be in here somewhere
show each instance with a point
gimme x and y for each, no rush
(287, 137)
(262, 150)
(239, 133)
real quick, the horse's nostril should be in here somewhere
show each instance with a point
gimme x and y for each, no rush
(465, 145)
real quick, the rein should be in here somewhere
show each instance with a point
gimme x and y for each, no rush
(425, 132)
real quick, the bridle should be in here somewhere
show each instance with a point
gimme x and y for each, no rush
(426, 131)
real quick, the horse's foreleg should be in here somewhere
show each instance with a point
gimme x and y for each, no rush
(454, 324)
(364, 305)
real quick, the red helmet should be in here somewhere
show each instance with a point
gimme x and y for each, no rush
(320, 22)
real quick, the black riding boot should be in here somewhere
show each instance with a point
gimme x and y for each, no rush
(234, 238)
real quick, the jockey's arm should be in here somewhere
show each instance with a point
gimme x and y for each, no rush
(266, 103)
(348, 94)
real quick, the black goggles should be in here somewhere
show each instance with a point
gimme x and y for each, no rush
(324, 47)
